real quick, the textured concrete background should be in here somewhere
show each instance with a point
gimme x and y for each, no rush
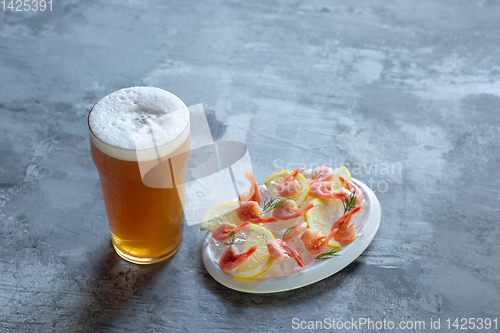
(406, 92)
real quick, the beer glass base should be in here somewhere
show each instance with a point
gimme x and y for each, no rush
(145, 261)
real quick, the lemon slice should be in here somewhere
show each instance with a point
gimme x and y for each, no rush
(275, 179)
(319, 217)
(336, 183)
(344, 172)
(220, 213)
(260, 261)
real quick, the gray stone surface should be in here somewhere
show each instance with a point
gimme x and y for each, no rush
(407, 93)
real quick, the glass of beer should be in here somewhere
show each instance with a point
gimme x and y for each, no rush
(140, 142)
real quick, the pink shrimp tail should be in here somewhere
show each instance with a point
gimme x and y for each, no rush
(330, 236)
(297, 229)
(353, 188)
(267, 219)
(301, 211)
(231, 259)
(252, 193)
(256, 195)
(293, 253)
(305, 209)
(345, 218)
(241, 227)
(280, 250)
(246, 194)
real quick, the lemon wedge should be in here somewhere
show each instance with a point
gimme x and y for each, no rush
(220, 213)
(336, 183)
(275, 179)
(344, 172)
(319, 217)
(260, 261)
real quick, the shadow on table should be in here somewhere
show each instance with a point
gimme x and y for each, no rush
(291, 297)
(113, 284)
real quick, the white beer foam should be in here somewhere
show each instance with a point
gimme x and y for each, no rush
(121, 123)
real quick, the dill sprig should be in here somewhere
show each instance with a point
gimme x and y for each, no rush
(231, 239)
(287, 231)
(349, 202)
(271, 203)
(327, 255)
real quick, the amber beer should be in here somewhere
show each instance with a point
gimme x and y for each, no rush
(140, 142)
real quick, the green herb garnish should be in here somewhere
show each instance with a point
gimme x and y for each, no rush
(271, 203)
(349, 202)
(287, 231)
(327, 255)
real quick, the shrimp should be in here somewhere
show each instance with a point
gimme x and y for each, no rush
(347, 215)
(346, 232)
(252, 193)
(353, 189)
(314, 243)
(321, 174)
(280, 250)
(231, 259)
(323, 190)
(294, 231)
(250, 212)
(225, 229)
(289, 186)
(288, 210)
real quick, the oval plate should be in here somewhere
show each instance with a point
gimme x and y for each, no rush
(314, 273)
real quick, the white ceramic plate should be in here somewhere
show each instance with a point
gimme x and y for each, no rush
(320, 270)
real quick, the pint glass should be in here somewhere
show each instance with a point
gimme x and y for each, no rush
(140, 142)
